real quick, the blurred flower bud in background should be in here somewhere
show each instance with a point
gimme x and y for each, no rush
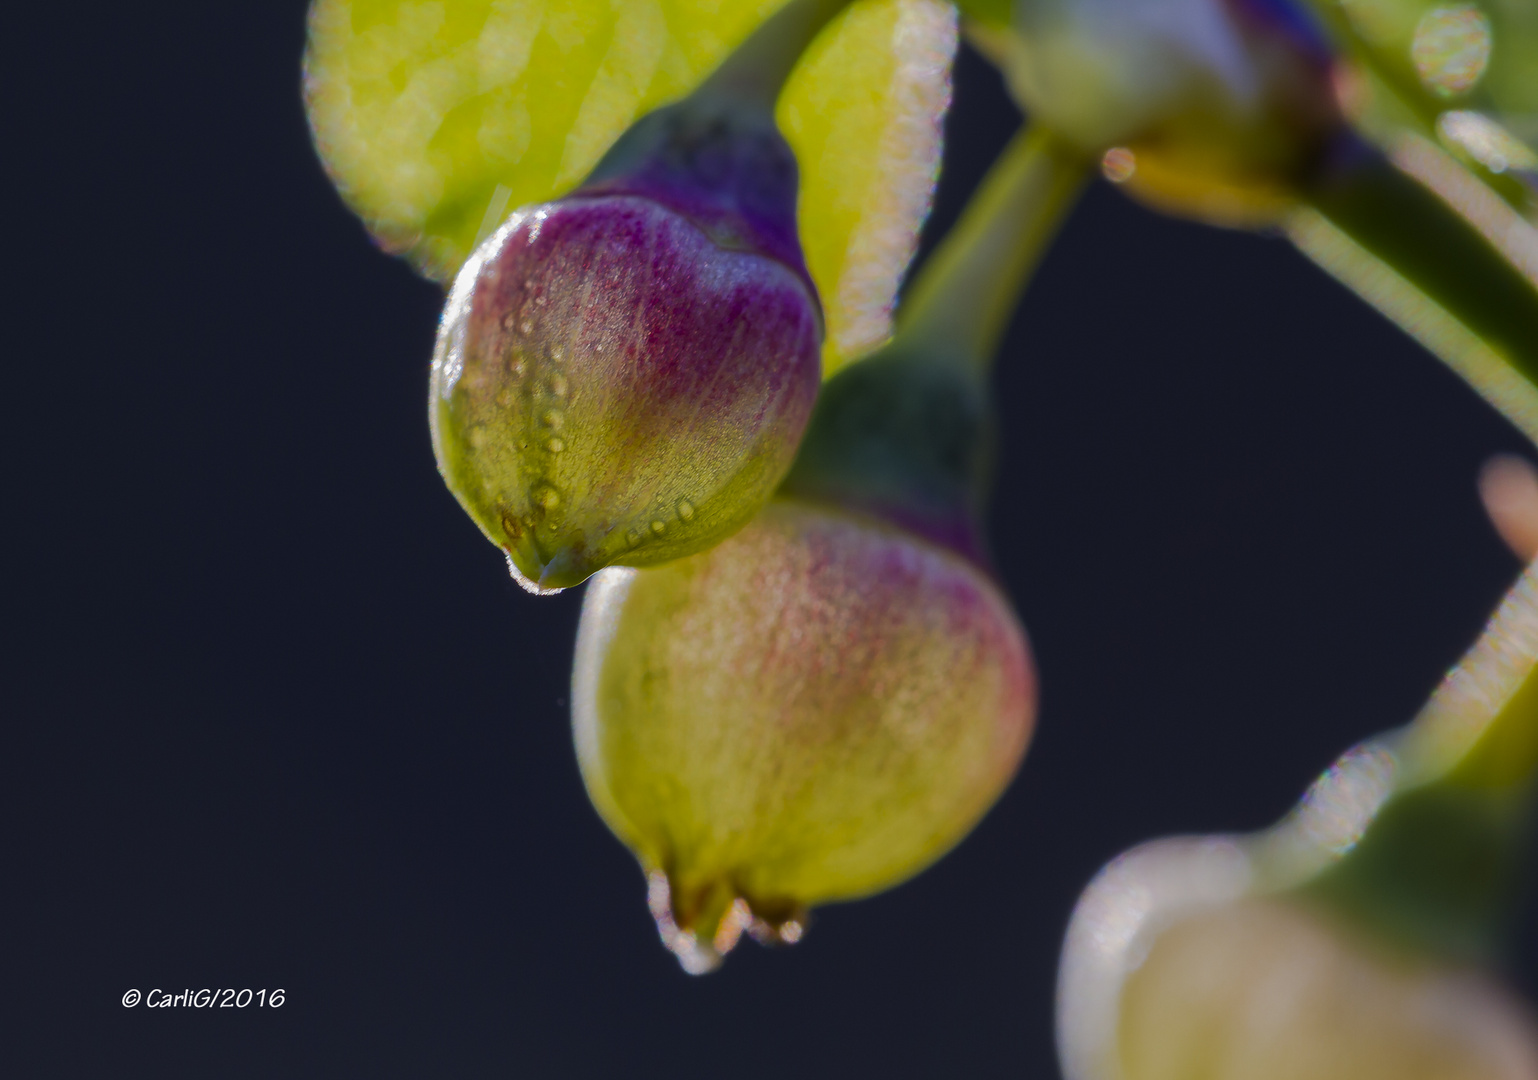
(1216, 109)
(1352, 940)
(1247, 988)
(812, 711)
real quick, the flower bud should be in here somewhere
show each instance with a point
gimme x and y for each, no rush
(623, 376)
(1217, 109)
(812, 711)
(1342, 942)
(1177, 966)
(1271, 991)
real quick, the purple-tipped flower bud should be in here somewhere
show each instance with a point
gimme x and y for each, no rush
(1214, 108)
(812, 711)
(623, 376)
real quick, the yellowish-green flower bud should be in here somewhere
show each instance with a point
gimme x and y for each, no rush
(1274, 991)
(812, 711)
(1343, 943)
(1177, 965)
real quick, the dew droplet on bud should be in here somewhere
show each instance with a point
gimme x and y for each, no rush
(1118, 165)
(1451, 49)
(685, 510)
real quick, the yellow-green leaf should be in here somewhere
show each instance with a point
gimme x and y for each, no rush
(436, 118)
(863, 113)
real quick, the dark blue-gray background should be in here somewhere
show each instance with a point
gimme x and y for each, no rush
(274, 715)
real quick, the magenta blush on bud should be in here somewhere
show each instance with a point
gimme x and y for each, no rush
(613, 386)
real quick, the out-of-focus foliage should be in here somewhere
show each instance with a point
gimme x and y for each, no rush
(436, 118)
(1457, 51)
(993, 14)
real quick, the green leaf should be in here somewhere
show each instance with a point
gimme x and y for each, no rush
(1449, 54)
(862, 112)
(437, 118)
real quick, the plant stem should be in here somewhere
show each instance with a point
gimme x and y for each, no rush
(1419, 835)
(961, 302)
(1457, 271)
(717, 156)
(757, 69)
(906, 434)
(1480, 730)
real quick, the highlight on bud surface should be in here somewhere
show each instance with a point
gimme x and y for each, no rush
(812, 711)
(613, 386)
(1217, 109)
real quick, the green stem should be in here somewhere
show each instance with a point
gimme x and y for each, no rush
(906, 434)
(1432, 860)
(961, 302)
(758, 68)
(1412, 254)
(1480, 731)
